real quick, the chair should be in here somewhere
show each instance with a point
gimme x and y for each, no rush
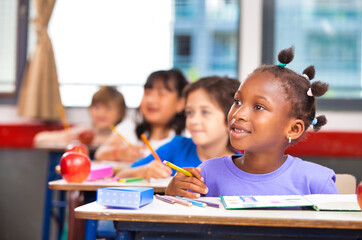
(346, 183)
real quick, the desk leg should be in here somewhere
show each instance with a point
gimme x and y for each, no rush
(90, 230)
(53, 160)
(47, 212)
(76, 227)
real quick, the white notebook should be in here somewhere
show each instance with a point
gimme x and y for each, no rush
(330, 202)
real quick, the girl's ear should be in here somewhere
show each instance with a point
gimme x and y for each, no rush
(180, 105)
(295, 129)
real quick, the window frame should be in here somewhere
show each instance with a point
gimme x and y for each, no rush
(21, 51)
(336, 104)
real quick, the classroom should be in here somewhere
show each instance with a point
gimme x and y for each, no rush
(81, 66)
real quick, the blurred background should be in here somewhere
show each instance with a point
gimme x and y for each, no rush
(119, 43)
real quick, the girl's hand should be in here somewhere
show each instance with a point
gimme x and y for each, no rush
(181, 184)
(129, 153)
(156, 169)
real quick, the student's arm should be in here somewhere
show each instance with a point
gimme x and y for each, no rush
(181, 185)
(148, 167)
(115, 150)
(60, 136)
(154, 169)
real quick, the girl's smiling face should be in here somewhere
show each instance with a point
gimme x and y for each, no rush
(205, 119)
(159, 105)
(259, 119)
(104, 114)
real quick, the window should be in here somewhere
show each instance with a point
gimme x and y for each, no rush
(13, 47)
(223, 53)
(120, 43)
(182, 52)
(327, 34)
(206, 37)
(8, 36)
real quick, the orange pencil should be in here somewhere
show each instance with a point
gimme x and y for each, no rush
(63, 117)
(144, 138)
(120, 135)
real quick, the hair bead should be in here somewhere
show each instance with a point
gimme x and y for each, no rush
(309, 92)
(305, 76)
(314, 122)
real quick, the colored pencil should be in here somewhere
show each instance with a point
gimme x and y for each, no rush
(210, 204)
(126, 180)
(180, 201)
(63, 116)
(165, 199)
(144, 138)
(173, 166)
(194, 202)
(113, 179)
(120, 135)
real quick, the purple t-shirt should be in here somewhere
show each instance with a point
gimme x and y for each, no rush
(294, 177)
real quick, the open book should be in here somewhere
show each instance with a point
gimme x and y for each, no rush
(331, 202)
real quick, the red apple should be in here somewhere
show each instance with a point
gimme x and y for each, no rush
(75, 167)
(77, 147)
(86, 136)
(359, 194)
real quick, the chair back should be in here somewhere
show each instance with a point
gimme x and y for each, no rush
(346, 183)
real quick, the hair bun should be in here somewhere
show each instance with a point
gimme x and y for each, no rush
(319, 88)
(321, 121)
(310, 72)
(286, 55)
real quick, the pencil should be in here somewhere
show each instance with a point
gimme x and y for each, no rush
(144, 138)
(173, 166)
(180, 201)
(210, 204)
(126, 180)
(165, 199)
(120, 135)
(194, 202)
(63, 116)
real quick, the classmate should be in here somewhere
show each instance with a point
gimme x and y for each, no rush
(160, 117)
(107, 108)
(272, 110)
(207, 103)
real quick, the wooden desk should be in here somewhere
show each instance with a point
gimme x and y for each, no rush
(78, 229)
(159, 185)
(167, 220)
(55, 152)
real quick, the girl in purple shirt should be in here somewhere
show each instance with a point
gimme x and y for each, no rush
(272, 109)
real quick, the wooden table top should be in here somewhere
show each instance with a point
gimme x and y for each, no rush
(159, 185)
(162, 212)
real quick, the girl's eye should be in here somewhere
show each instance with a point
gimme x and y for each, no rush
(237, 102)
(147, 92)
(205, 112)
(188, 113)
(259, 107)
(163, 92)
(109, 107)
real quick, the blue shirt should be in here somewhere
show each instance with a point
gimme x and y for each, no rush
(180, 151)
(294, 177)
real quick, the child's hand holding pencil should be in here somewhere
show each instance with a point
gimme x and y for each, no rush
(156, 169)
(181, 185)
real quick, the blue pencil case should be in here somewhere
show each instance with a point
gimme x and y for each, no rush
(124, 197)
